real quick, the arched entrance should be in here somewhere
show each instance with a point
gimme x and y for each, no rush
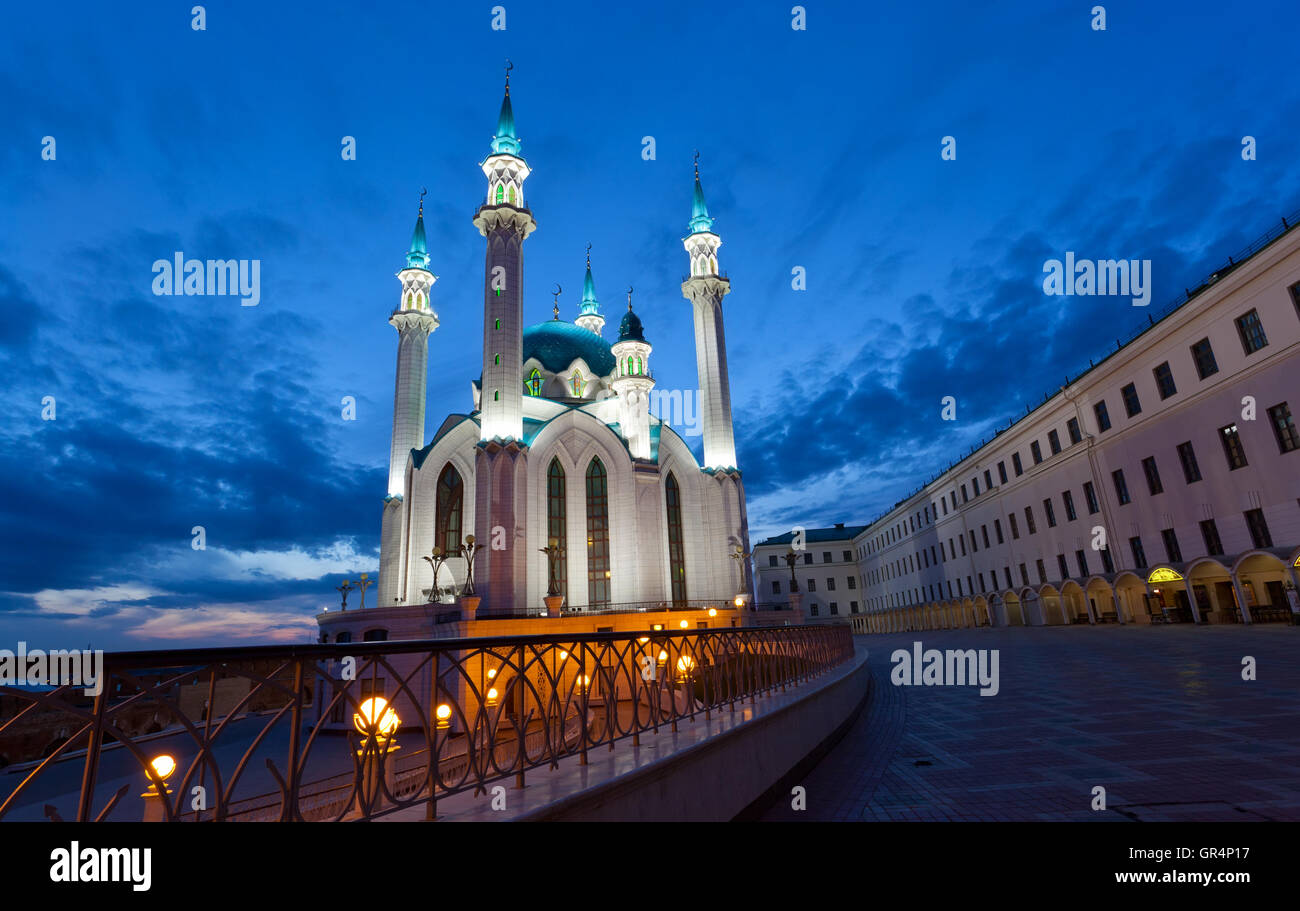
(1131, 590)
(1216, 596)
(1261, 579)
(1049, 600)
(1168, 599)
(1073, 602)
(1101, 600)
(1015, 615)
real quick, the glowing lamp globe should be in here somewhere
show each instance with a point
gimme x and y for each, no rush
(163, 766)
(443, 714)
(376, 717)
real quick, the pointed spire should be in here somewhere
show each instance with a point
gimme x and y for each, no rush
(418, 256)
(505, 142)
(700, 221)
(590, 306)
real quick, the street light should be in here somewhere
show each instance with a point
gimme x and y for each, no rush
(443, 714)
(376, 718)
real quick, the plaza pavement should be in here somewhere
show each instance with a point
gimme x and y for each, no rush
(1158, 716)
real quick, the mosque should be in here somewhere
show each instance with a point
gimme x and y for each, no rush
(558, 447)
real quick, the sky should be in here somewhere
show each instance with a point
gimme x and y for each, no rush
(132, 418)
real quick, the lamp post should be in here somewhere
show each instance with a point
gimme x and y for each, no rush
(364, 584)
(742, 556)
(468, 599)
(161, 768)
(377, 723)
(436, 559)
(345, 588)
(553, 597)
(796, 600)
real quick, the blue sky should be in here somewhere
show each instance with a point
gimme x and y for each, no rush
(819, 148)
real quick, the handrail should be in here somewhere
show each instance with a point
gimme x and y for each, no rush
(279, 732)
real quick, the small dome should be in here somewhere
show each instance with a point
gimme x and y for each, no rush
(629, 330)
(557, 344)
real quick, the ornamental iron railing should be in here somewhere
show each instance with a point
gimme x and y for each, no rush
(358, 731)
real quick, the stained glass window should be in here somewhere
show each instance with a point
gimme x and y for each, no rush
(555, 521)
(534, 385)
(577, 384)
(451, 497)
(676, 546)
(501, 193)
(597, 534)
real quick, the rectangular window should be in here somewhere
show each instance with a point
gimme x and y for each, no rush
(1164, 380)
(975, 484)
(1061, 565)
(1284, 428)
(1015, 463)
(1082, 559)
(1121, 487)
(1036, 451)
(1024, 575)
(1153, 475)
(1139, 555)
(1072, 428)
(1090, 495)
(945, 506)
(1258, 528)
(1232, 447)
(1042, 572)
(826, 556)
(1002, 472)
(962, 542)
(964, 498)
(1103, 417)
(1203, 356)
(771, 561)
(848, 556)
(1210, 532)
(1015, 530)
(1106, 562)
(997, 530)
(974, 547)
(1029, 521)
(954, 498)
(1006, 571)
(1132, 406)
(1051, 512)
(981, 575)
(1251, 331)
(1054, 441)
(812, 585)
(988, 479)
(1187, 456)
(807, 558)
(1295, 297)
(1068, 499)
(1172, 550)
(853, 582)
(830, 584)
(776, 586)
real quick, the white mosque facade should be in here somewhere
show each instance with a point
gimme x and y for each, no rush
(558, 444)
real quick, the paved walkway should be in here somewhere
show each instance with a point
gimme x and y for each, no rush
(1159, 717)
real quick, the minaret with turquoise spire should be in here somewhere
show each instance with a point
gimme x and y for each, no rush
(414, 319)
(505, 222)
(633, 382)
(589, 310)
(705, 288)
(501, 460)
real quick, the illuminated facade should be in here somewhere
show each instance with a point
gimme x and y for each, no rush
(559, 442)
(1161, 485)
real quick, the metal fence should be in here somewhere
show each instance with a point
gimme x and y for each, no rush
(362, 730)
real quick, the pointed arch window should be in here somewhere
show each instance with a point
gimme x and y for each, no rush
(597, 534)
(676, 545)
(496, 359)
(577, 384)
(629, 366)
(556, 522)
(534, 385)
(451, 501)
(639, 369)
(511, 196)
(501, 193)
(408, 298)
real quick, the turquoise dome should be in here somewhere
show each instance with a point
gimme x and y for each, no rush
(630, 329)
(557, 344)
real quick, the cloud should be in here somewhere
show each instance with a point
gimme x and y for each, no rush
(83, 602)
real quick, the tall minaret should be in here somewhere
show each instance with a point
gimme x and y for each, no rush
(589, 310)
(501, 460)
(633, 382)
(414, 319)
(506, 223)
(705, 289)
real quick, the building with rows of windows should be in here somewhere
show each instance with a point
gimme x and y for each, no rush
(824, 569)
(1162, 485)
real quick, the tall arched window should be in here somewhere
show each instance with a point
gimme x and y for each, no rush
(451, 500)
(555, 522)
(512, 196)
(676, 546)
(639, 368)
(534, 385)
(577, 384)
(501, 193)
(597, 534)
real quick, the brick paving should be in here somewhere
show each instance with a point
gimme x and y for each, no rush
(1158, 716)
